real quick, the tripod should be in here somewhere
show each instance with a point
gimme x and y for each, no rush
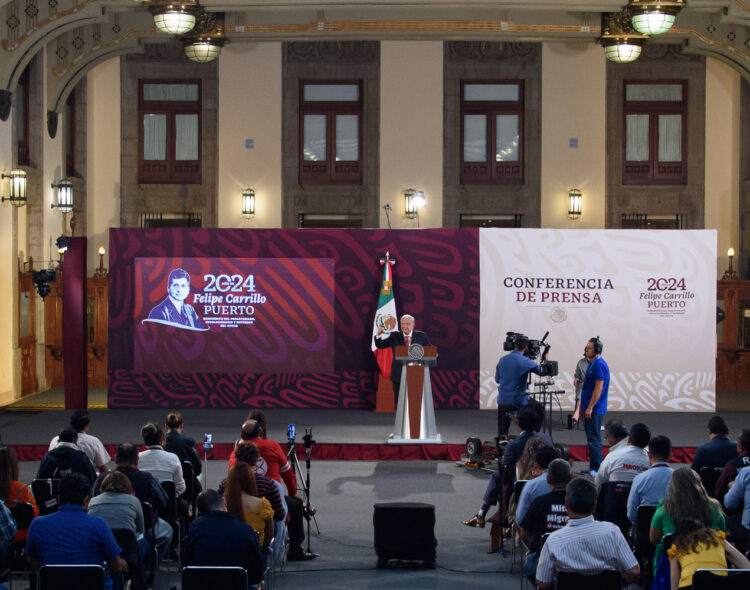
(291, 456)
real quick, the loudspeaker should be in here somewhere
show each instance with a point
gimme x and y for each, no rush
(405, 531)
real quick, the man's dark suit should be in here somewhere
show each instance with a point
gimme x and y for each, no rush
(397, 339)
(184, 447)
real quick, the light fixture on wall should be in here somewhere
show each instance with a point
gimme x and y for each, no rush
(621, 42)
(575, 200)
(413, 200)
(64, 196)
(730, 274)
(174, 19)
(101, 272)
(17, 183)
(248, 203)
(654, 17)
(205, 41)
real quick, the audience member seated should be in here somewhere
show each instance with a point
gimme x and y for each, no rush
(584, 545)
(12, 490)
(686, 498)
(8, 530)
(70, 536)
(66, 458)
(547, 513)
(182, 446)
(155, 460)
(117, 505)
(92, 446)
(241, 499)
(650, 486)
(526, 470)
(719, 450)
(616, 435)
(624, 463)
(733, 467)
(526, 421)
(217, 538)
(146, 489)
(696, 546)
(737, 497)
(537, 486)
(273, 464)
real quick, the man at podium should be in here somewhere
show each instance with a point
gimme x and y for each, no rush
(406, 337)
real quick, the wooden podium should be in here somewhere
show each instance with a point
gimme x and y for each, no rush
(415, 414)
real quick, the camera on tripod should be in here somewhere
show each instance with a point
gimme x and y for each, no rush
(533, 350)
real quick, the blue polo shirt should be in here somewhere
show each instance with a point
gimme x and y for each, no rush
(511, 375)
(598, 371)
(70, 536)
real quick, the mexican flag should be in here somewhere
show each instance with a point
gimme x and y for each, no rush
(385, 317)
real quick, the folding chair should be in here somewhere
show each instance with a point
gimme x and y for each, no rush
(616, 504)
(644, 549)
(66, 577)
(45, 494)
(606, 580)
(202, 577)
(710, 580)
(188, 474)
(150, 517)
(173, 515)
(128, 543)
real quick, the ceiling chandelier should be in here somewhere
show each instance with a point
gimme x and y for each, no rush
(621, 42)
(654, 17)
(205, 41)
(174, 19)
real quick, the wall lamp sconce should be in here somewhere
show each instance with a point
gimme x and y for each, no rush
(17, 184)
(101, 272)
(730, 274)
(621, 42)
(62, 244)
(575, 200)
(175, 19)
(248, 203)
(413, 200)
(64, 196)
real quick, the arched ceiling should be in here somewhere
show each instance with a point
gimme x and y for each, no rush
(79, 34)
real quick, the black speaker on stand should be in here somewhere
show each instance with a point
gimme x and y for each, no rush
(405, 534)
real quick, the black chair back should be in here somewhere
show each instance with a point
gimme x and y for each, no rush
(169, 488)
(128, 543)
(202, 577)
(188, 474)
(23, 514)
(45, 494)
(709, 476)
(606, 580)
(644, 549)
(732, 580)
(616, 504)
(66, 577)
(518, 488)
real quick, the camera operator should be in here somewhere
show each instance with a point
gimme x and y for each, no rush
(511, 376)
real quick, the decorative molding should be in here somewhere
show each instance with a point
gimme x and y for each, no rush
(160, 52)
(332, 51)
(486, 50)
(5, 102)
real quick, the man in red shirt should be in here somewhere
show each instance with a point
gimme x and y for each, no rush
(272, 463)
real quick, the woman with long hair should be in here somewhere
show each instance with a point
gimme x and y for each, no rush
(697, 546)
(241, 498)
(12, 490)
(686, 498)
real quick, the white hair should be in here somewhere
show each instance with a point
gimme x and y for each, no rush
(406, 316)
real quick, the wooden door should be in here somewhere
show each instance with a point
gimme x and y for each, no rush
(27, 333)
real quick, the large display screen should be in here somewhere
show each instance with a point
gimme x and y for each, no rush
(241, 315)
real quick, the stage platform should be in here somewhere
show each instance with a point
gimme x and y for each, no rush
(345, 434)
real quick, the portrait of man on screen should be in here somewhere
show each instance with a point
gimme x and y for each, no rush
(174, 310)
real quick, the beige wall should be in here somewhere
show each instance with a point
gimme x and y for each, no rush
(250, 108)
(411, 129)
(573, 104)
(722, 157)
(8, 266)
(102, 157)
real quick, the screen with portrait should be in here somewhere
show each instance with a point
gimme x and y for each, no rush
(256, 315)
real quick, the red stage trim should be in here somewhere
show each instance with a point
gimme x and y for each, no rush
(359, 452)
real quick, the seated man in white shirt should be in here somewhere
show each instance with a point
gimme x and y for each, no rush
(92, 446)
(651, 486)
(626, 462)
(163, 465)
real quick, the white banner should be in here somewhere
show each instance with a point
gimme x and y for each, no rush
(649, 295)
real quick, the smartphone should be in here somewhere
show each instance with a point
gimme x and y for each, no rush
(207, 438)
(291, 432)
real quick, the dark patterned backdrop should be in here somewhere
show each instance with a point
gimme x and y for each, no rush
(436, 280)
